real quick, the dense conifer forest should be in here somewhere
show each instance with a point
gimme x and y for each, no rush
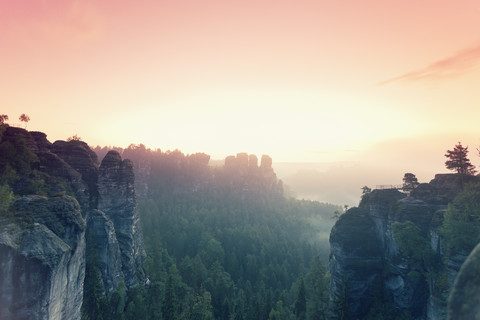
(223, 242)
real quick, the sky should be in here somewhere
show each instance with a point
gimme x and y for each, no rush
(303, 81)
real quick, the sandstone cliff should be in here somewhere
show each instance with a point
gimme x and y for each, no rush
(116, 188)
(365, 261)
(44, 239)
(42, 262)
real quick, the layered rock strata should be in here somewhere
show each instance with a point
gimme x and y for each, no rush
(42, 259)
(44, 239)
(365, 261)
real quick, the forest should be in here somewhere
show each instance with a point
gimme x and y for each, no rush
(222, 243)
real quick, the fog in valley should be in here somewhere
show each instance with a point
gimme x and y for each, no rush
(382, 165)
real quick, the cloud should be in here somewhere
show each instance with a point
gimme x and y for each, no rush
(449, 67)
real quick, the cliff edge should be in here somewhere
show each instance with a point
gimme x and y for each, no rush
(369, 272)
(66, 206)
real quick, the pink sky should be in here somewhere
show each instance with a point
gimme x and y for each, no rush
(299, 80)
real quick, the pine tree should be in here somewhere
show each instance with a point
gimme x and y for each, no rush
(410, 182)
(170, 302)
(317, 291)
(340, 309)
(301, 302)
(93, 299)
(459, 161)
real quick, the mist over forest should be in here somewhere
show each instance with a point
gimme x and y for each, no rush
(239, 160)
(135, 233)
(340, 181)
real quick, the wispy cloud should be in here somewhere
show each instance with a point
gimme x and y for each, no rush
(449, 67)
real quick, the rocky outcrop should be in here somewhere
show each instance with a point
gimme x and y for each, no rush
(44, 240)
(116, 186)
(464, 301)
(357, 259)
(365, 259)
(245, 174)
(103, 241)
(81, 158)
(42, 265)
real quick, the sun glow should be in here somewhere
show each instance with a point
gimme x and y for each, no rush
(301, 82)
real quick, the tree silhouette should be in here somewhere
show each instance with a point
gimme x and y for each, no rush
(75, 137)
(458, 160)
(366, 190)
(301, 301)
(24, 118)
(3, 118)
(410, 182)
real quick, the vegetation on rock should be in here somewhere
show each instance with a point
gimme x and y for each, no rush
(458, 160)
(461, 226)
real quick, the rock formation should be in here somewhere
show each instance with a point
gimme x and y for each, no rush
(365, 259)
(117, 200)
(44, 239)
(464, 301)
(244, 172)
(42, 259)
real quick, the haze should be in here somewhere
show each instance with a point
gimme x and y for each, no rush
(388, 85)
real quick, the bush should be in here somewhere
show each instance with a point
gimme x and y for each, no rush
(6, 198)
(461, 224)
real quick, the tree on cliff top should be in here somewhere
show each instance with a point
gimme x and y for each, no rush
(410, 182)
(24, 118)
(75, 137)
(3, 118)
(459, 161)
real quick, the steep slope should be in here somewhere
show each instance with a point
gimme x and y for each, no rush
(68, 206)
(42, 259)
(367, 265)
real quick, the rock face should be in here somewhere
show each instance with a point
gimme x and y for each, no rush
(79, 156)
(243, 171)
(102, 237)
(464, 301)
(357, 261)
(365, 259)
(45, 239)
(42, 264)
(116, 187)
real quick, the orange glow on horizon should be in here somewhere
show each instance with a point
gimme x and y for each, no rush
(296, 80)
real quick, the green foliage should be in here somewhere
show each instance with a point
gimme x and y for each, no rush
(340, 309)
(301, 302)
(199, 307)
(170, 303)
(115, 304)
(238, 244)
(6, 197)
(410, 182)
(19, 166)
(279, 312)
(409, 240)
(461, 224)
(459, 161)
(230, 249)
(93, 300)
(382, 310)
(317, 287)
(136, 304)
(16, 156)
